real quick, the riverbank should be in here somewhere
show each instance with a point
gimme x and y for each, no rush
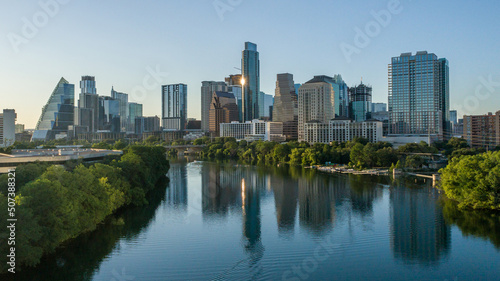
(346, 170)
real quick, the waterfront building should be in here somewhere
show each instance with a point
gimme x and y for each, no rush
(7, 127)
(482, 131)
(207, 90)
(253, 130)
(174, 107)
(124, 108)
(285, 108)
(315, 102)
(342, 129)
(58, 113)
(419, 95)
(146, 125)
(360, 98)
(250, 66)
(223, 109)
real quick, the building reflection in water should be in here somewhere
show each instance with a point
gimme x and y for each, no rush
(177, 195)
(285, 200)
(363, 192)
(316, 204)
(220, 190)
(419, 232)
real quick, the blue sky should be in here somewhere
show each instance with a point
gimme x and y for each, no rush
(121, 42)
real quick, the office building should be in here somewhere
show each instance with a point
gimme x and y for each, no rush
(342, 129)
(134, 111)
(19, 128)
(207, 90)
(315, 102)
(237, 91)
(109, 115)
(174, 107)
(58, 114)
(250, 66)
(419, 95)
(482, 131)
(341, 96)
(223, 109)
(379, 107)
(285, 108)
(88, 107)
(268, 105)
(7, 127)
(124, 108)
(193, 124)
(360, 98)
(146, 125)
(253, 130)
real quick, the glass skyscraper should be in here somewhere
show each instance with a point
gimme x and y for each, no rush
(109, 115)
(250, 67)
(361, 102)
(135, 111)
(419, 95)
(124, 108)
(57, 114)
(174, 107)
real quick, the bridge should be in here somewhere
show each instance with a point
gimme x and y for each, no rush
(186, 149)
(434, 177)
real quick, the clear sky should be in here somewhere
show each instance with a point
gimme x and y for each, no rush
(121, 42)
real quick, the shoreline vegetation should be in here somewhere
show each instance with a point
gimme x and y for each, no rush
(56, 203)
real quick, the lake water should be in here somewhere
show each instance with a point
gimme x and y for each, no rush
(235, 222)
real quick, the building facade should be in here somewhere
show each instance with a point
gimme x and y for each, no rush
(482, 131)
(315, 102)
(250, 67)
(253, 130)
(360, 98)
(58, 114)
(207, 90)
(342, 129)
(109, 115)
(135, 110)
(122, 98)
(285, 108)
(146, 125)
(223, 109)
(7, 127)
(174, 107)
(419, 95)
(88, 107)
(379, 107)
(341, 96)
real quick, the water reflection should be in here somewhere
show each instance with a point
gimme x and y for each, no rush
(177, 192)
(285, 200)
(419, 232)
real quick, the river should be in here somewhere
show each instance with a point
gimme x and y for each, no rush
(237, 222)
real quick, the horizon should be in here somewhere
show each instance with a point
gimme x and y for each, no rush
(136, 48)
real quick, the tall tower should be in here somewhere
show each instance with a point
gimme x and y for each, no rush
(124, 108)
(88, 105)
(361, 102)
(250, 67)
(174, 107)
(207, 90)
(285, 107)
(419, 95)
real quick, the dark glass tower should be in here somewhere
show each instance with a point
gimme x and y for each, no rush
(250, 67)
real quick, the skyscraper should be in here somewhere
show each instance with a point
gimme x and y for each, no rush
(419, 95)
(207, 90)
(316, 102)
(7, 127)
(134, 111)
(58, 114)
(124, 108)
(250, 65)
(267, 101)
(174, 107)
(361, 102)
(88, 106)
(285, 107)
(341, 96)
(109, 114)
(223, 109)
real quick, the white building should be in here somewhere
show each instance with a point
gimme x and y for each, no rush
(7, 127)
(342, 130)
(174, 107)
(252, 131)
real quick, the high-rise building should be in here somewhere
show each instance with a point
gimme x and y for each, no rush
(134, 111)
(207, 90)
(234, 80)
(7, 127)
(419, 95)
(174, 107)
(88, 106)
(109, 115)
(237, 92)
(124, 108)
(316, 102)
(482, 130)
(58, 114)
(379, 107)
(223, 109)
(268, 101)
(146, 125)
(361, 102)
(342, 129)
(453, 117)
(250, 65)
(19, 128)
(341, 96)
(285, 108)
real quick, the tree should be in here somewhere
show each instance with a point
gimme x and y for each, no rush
(357, 156)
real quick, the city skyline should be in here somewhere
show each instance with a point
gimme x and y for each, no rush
(468, 70)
